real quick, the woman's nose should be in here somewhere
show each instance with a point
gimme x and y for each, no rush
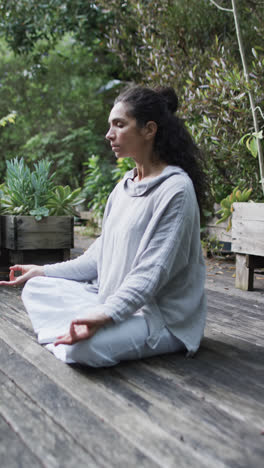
(109, 135)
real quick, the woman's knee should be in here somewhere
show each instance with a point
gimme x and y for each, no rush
(91, 353)
(112, 344)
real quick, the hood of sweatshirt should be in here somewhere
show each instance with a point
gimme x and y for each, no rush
(138, 189)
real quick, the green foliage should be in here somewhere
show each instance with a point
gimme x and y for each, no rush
(251, 142)
(10, 118)
(98, 184)
(75, 48)
(193, 47)
(123, 165)
(26, 22)
(62, 107)
(26, 192)
(217, 109)
(211, 245)
(159, 41)
(100, 179)
(34, 193)
(64, 200)
(226, 209)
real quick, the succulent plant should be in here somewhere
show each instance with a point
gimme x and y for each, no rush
(227, 209)
(33, 193)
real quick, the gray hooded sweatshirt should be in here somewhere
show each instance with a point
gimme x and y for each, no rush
(148, 257)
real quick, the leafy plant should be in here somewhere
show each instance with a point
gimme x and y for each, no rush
(257, 148)
(172, 43)
(211, 245)
(61, 103)
(227, 209)
(10, 118)
(216, 106)
(98, 184)
(34, 193)
(100, 179)
(251, 140)
(63, 201)
(123, 165)
(26, 192)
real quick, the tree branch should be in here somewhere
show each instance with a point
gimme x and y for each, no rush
(220, 7)
(250, 94)
(260, 111)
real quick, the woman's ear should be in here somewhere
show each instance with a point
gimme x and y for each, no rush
(150, 130)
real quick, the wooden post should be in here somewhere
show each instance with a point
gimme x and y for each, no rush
(244, 274)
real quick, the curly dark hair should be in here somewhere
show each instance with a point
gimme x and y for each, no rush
(173, 143)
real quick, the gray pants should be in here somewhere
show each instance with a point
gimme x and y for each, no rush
(52, 303)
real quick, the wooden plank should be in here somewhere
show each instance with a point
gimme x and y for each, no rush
(25, 233)
(237, 312)
(4, 264)
(227, 290)
(165, 387)
(236, 316)
(203, 389)
(233, 326)
(208, 426)
(38, 256)
(177, 423)
(13, 452)
(218, 230)
(233, 353)
(45, 438)
(11, 295)
(18, 319)
(248, 228)
(91, 432)
(86, 215)
(248, 210)
(158, 446)
(244, 274)
(238, 300)
(211, 404)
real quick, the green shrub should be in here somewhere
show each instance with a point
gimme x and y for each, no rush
(34, 193)
(98, 184)
(61, 106)
(100, 179)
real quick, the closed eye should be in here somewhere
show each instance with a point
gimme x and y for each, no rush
(120, 123)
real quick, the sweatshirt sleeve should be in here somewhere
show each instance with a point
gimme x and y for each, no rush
(83, 268)
(164, 256)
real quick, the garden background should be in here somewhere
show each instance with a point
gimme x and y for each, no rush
(63, 62)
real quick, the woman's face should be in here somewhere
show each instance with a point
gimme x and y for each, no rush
(125, 137)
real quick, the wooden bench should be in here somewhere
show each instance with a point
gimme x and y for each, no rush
(245, 268)
(248, 242)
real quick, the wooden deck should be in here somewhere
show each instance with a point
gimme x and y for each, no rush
(160, 412)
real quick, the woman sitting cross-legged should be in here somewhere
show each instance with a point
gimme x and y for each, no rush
(138, 291)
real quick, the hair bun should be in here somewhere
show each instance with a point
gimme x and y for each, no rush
(170, 97)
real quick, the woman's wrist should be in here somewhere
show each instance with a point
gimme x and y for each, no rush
(39, 270)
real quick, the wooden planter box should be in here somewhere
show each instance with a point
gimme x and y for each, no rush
(248, 241)
(29, 241)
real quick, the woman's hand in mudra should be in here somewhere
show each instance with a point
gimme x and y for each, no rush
(26, 272)
(82, 329)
